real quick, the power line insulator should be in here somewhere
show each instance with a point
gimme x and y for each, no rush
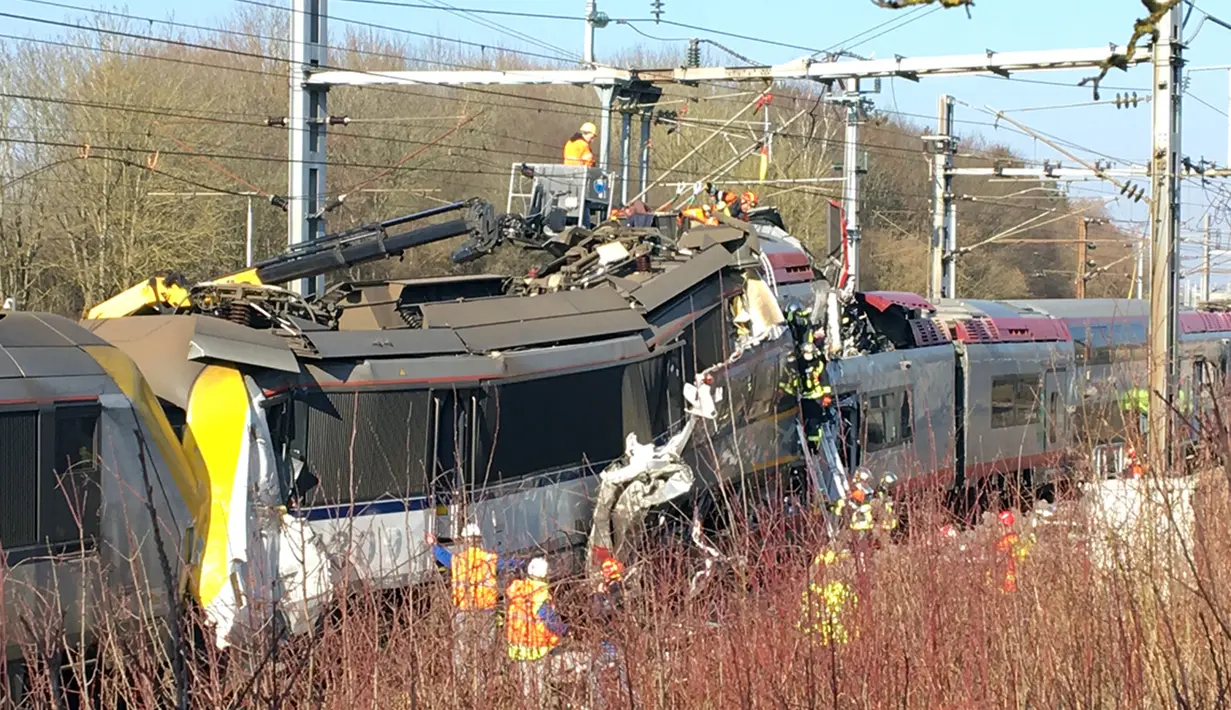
(277, 122)
(339, 120)
(693, 58)
(656, 9)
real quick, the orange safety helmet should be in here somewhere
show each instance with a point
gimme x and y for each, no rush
(748, 200)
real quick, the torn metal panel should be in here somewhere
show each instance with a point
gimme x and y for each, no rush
(386, 343)
(702, 237)
(215, 339)
(645, 477)
(449, 369)
(561, 329)
(163, 348)
(517, 310)
(666, 287)
(572, 356)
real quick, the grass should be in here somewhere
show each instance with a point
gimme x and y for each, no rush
(932, 629)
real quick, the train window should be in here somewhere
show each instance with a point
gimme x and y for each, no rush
(18, 479)
(1015, 400)
(1100, 345)
(546, 424)
(907, 426)
(363, 446)
(1053, 424)
(888, 420)
(72, 498)
(1080, 336)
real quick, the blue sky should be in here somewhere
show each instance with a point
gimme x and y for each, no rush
(1000, 25)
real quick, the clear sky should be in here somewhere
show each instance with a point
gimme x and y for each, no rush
(999, 25)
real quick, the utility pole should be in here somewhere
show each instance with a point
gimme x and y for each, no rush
(942, 283)
(587, 55)
(248, 237)
(1164, 234)
(1079, 285)
(851, 174)
(1205, 262)
(306, 134)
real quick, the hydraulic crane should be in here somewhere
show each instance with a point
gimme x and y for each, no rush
(170, 294)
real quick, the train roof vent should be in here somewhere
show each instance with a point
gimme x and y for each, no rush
(976, 330)
(1011, 330)
(929, 332)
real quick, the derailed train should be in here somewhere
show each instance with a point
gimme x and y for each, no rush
(319, 441)
(333, 435)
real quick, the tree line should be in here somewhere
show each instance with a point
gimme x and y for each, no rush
(132, 149)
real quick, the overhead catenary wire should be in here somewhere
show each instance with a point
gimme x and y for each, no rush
(280, 59)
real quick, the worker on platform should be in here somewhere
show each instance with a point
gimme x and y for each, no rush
(701, 215)
(533, 626)
(577, 150)
(473, 571)
(748, 202)
(828, 600)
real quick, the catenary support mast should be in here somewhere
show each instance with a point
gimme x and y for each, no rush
(1164, 235)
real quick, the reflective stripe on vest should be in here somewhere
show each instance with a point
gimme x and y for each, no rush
(577, 152)
(474, 579)
(529, 638)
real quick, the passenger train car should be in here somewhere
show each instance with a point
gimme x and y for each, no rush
(92, 484)
(1006, 390)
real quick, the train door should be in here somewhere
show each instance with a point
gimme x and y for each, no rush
(452, 440)
(850, 433)
(1055, 413)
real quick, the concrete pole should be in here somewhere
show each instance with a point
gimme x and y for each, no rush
(606, 94)
(306, 171)
(626, 126)
(587, 55)
(851, 176)
(1079, 281)
(942, 195)
(1164, 234)
(248, 236)
(643, 177)
(1205, 262)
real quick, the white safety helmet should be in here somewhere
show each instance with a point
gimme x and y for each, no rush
(537, 568)
(471, 532)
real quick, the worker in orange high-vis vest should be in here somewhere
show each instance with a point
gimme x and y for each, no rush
(533, 627)
(577, 149)
(475, 591)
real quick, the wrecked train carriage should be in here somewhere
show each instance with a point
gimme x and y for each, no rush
(952, 394)
(95, 493)
(332, 449)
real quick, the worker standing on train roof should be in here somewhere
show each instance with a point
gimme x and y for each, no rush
(533, 626)
(473, 571)
(577, 150)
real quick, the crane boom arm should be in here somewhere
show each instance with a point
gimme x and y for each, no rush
(360, 245)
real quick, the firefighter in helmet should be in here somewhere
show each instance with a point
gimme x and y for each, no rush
(827, 602)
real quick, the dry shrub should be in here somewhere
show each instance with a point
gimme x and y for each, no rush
(933, 629)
